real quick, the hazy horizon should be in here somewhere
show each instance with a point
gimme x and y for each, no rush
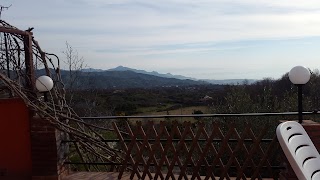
(205, 39)
(88, 69)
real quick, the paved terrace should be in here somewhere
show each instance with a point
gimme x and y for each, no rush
(114, 175)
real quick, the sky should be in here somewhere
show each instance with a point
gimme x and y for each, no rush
(205, 39)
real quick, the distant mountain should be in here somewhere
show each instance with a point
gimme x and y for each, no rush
(154, 73)
(168, 75)
(124, 79)
(91, 70)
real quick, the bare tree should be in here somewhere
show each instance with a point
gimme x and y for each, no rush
(4, 8)
(74, 64)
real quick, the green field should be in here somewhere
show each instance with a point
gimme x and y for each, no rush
(178, 111)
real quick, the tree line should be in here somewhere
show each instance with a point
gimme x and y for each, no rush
(267, 95)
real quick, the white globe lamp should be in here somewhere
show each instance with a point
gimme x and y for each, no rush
(299, 75)
(44, 84)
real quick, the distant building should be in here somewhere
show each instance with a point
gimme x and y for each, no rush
(206, 98)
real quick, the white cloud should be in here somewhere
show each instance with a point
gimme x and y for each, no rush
(132, 30)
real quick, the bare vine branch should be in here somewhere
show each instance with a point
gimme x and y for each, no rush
(90, 144)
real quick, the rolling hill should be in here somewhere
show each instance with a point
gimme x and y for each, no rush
(125, 79)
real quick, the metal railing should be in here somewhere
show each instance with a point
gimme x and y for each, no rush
(204, 115)
(261, 149)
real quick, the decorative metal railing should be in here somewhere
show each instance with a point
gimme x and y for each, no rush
(222, 154)
(211, 146)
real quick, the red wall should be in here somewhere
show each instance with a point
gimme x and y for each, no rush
(15, 148)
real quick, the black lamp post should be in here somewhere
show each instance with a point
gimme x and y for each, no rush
(299, 76)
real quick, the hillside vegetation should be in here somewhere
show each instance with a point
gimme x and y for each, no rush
(267, 95)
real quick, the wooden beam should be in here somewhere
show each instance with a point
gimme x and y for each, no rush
(15, 31)
(30, 78)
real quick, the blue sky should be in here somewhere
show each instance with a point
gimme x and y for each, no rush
(212, 39)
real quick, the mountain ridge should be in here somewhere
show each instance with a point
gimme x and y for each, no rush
(121, 79)
(169, 75)
(155, 73)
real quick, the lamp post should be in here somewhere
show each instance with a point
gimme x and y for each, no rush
(44, 84)
(299, 76)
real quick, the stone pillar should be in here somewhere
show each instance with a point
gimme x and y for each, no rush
(46, 152)
(313, 130)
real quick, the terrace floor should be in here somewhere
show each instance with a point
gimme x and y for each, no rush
(111, 176)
